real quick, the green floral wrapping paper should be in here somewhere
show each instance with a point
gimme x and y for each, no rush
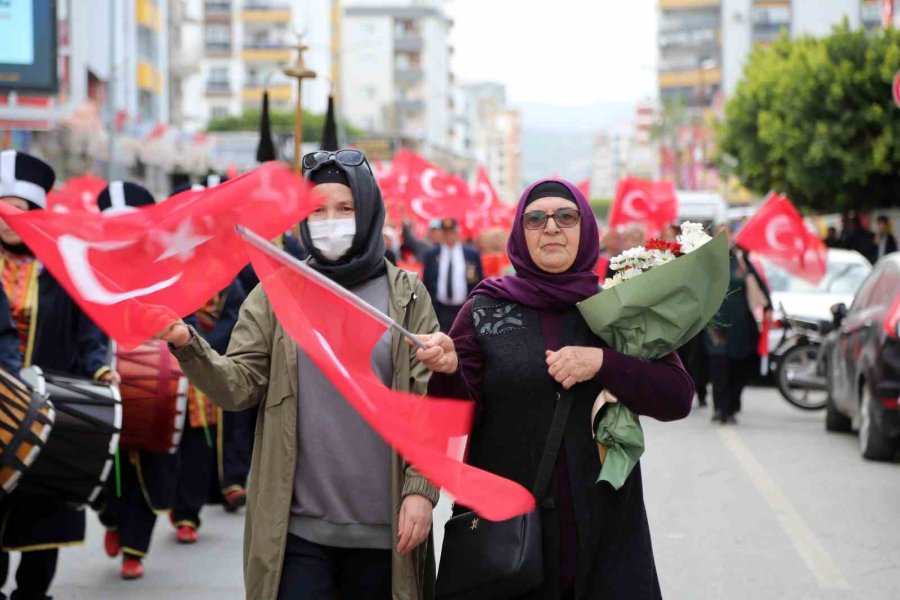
(648, 317)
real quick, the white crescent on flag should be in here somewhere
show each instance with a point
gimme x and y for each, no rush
(628, 208)
(74, 253)
(427, 182)
(776, 230)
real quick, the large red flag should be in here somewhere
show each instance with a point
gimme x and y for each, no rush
(777, 232)
(430, 193)
(652, 204)
(134, 272)
(339, 337)
(486, 209)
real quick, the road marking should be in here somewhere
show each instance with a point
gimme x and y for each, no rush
(805, 543)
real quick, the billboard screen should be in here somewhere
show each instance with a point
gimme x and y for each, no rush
(28, 47)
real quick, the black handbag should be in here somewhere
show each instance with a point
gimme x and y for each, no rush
(497, 560)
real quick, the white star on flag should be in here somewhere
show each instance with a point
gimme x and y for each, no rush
(182, 243)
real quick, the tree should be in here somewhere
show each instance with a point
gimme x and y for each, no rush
(282, 122)
(814, 118)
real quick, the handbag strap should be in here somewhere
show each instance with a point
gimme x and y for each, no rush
(554, 441)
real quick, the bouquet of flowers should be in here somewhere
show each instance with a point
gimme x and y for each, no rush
(661, 296)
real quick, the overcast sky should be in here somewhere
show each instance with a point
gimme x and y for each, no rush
(560, 52)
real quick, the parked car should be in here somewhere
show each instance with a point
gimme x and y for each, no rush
(795, 297)
(862, 359)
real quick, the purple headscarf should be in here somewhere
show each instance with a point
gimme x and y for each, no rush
(536, 288)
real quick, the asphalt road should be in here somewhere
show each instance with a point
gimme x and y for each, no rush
(771, 508)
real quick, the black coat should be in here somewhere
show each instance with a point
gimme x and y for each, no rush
(614, 553)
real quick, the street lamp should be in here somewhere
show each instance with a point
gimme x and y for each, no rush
(299, 71)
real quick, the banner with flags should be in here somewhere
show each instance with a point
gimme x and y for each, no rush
(338, 336)
(652, 204)
(486, 209)
(778, 233)
(134, 272)
(427, 192)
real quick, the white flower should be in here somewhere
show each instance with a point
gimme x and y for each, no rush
(692, 237)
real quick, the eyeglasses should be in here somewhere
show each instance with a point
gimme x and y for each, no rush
(347, 157)
(563, 217)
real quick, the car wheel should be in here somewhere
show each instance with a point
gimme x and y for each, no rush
(835, 421)
(872, 441)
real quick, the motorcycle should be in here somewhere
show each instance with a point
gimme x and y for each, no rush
(799, 363)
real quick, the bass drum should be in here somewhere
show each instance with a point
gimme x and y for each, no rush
(79, 455)
(26, 420)
(154, 398)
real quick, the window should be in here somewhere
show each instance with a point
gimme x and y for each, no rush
(218, 37)
(219, 112)
(886, 288)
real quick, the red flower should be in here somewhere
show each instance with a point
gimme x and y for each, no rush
(662, 245)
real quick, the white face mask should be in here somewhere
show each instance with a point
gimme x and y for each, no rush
(332, 237)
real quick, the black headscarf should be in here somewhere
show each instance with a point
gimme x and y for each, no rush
(365, 259)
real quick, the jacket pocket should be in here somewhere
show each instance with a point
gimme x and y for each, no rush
(273, 400)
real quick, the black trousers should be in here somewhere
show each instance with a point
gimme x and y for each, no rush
(129, 514)
(314, 572)
(198, 476)
(237, 441)
(729, 378)
(696, 361)
(34, 575)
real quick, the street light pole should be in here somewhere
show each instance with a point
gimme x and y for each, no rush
(299, 72)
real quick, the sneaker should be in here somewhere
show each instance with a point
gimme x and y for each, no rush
(132, 568)
(235, 499)
(186, 534)
(112, 543)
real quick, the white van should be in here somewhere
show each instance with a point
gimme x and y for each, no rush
(701, 207)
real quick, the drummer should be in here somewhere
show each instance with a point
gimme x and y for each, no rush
(55, 335)
(210, 464)
(146, 479)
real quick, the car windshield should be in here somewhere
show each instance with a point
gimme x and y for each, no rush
(841, 277)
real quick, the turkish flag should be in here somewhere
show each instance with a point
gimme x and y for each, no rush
(134, 272)
(652, 204)
(339, 336)
(778, 233)
(486, 209)
(430, 193)
(78, 193)
(392, 182)
(585, 188)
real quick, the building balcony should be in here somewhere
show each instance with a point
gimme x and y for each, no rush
(679, 4)
(409, 74)
(218, 88)
(408, 43)
(149, 78)
(692, 78)
(218, 48)
(277, 93)
(148, 15)
(266, 11)
(271, 55)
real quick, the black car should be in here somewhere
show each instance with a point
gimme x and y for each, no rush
(863, 363)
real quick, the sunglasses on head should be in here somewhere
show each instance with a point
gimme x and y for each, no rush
(563, 217)
(347, 157)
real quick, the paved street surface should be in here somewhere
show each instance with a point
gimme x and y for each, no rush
(773, 508)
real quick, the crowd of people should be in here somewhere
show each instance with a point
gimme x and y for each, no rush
(331, 509)
(856, 235)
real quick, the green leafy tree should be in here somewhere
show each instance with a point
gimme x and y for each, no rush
(814, 118)
(282, 122)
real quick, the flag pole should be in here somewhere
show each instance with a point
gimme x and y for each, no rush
(289, 261)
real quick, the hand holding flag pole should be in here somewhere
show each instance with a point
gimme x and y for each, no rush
(263, 245)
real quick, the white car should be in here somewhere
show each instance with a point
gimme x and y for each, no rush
(796, 297)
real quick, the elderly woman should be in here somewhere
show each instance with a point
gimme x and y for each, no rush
(331, 510)
(518, 342)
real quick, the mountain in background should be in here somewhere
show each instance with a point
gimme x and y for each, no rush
(559, 140)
